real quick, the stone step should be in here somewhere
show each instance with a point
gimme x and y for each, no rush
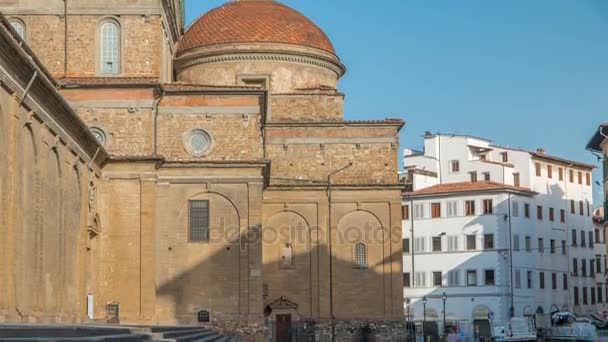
(108, 338)
(185, 332)
(35, 330)
(200, 337)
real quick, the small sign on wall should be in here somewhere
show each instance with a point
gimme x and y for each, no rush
(90, 305)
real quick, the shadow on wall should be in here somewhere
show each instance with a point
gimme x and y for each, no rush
(221, 285)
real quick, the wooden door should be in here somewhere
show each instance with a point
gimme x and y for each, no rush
(282, 328)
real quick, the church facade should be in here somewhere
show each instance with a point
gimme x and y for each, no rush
(188, 175)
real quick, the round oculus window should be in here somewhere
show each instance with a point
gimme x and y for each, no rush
(99, 134)
(197, 142)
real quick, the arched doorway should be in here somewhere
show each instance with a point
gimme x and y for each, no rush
(482, 326)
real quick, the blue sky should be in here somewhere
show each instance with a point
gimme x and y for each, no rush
(522, 73)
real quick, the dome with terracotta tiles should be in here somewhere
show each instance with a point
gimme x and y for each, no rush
(254, 21)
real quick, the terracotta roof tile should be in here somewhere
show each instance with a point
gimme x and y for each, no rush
(254, 21)
(468, 187)
(542, 155)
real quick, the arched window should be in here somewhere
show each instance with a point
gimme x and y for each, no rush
(360, 255)
(287, 259)
(19, 26)
(109, 38)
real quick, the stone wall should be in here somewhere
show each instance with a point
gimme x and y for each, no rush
(45, 185)
(309, 151)
(307, 107)
(233, 123)
(141, 43)
(283, 76)
(300, 218)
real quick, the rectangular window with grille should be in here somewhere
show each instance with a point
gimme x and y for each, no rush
(436, 244)
(198, 221)
(518, 279)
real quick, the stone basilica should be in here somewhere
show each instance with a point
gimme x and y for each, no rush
(199, 175)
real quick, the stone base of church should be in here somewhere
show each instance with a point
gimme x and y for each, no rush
(345, 331)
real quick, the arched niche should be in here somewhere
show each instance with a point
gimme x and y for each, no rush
(358, 227)
(193, 274)
(281, 232)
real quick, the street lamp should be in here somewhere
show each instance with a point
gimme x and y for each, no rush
(444, 297)
(423, 309)
(423, 315)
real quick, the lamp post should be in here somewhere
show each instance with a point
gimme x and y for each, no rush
(423, 315)
(444, 297)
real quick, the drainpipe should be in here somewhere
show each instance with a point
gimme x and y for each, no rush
(566, 181)
(65, 39)
(331, 278)
(155, 109)
(27, 88)
(512, 308)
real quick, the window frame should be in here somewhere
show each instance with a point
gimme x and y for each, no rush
(454, 162)
(485, 277)
(190, 234)
(20, 22)
(474, 239)
(467, 278)
(436, 210)
(356, 263)
(469, 208)
(488, 206)
(434, 240)
(434, 278)
(99, 50)
(488, 239)
(283, 262)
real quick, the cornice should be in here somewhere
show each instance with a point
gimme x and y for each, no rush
(261, 55)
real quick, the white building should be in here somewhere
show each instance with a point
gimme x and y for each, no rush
(495, 227)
